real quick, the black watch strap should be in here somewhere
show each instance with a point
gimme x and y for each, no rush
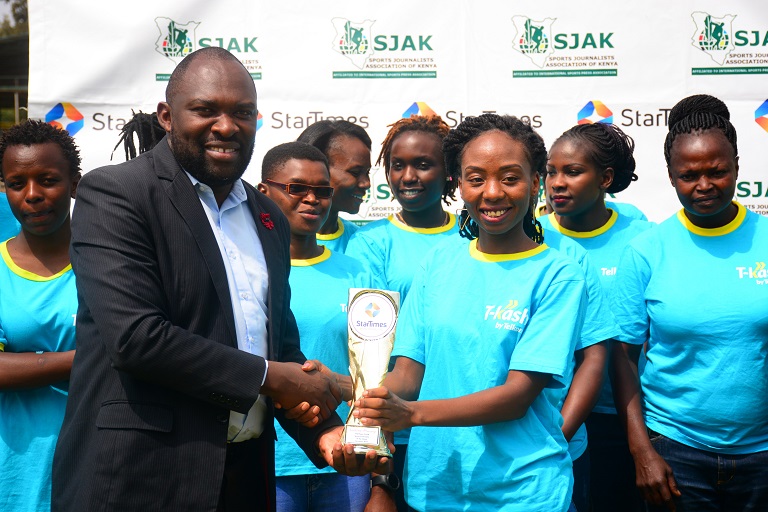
(390, 481)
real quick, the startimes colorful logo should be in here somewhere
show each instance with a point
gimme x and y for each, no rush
(594, 112)
(65, 117)
(761, 115)
(372, 310)
(419, 108)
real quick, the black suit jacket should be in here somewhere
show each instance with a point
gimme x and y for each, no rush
(157, 367)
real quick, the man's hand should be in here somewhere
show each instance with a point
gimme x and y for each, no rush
(344, 381)
(288, 385)
(307, 415)
(656, 480)
(343, 458)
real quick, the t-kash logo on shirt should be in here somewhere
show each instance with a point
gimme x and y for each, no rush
(759, 273)
(508, 316)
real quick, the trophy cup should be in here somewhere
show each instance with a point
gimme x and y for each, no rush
(371, 317)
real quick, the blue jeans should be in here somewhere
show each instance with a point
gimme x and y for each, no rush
(712, 481)
(322, 492)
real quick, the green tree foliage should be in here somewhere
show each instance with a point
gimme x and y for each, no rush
(18, 22)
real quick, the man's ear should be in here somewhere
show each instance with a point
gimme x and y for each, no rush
(164, 115)
(263, 189)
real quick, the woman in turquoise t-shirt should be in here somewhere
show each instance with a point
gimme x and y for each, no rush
(412, 154)
(38, 306)
(490, 322)
(348, 149)
(295, 176)
(584, 164)
(9, 226)
(693, 292)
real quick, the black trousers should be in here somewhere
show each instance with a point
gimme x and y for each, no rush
(249, 476)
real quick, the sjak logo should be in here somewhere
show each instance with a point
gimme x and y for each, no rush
(176, 41)
(534, 38)
(757, 272)
(419, 108)
(713, 36)
(65, 117)
(353, 40)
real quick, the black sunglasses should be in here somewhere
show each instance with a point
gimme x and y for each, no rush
(301, 189)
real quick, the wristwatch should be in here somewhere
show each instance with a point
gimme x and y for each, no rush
(390, 481)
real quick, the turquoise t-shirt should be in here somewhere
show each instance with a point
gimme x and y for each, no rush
(36, 314)
(604, 246)
(699, 299)
(319, 295)
(393, 249)
(338, 240)
(9, 226)
(470, 318)
(627, 210)
(599, 324)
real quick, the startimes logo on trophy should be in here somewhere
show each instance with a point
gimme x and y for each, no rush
(371, 318)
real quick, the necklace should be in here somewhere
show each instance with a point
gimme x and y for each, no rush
(446, 219)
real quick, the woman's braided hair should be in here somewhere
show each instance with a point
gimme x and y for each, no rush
(144, 127)
(472, 127)
(606, 146)
(699, 113)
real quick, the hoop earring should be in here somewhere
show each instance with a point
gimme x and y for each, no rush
(466, 219)
(534, 207)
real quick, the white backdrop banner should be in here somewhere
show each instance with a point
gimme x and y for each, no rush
(554, 63)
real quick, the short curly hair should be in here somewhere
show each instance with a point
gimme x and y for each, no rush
(32, 132)
(425, 124)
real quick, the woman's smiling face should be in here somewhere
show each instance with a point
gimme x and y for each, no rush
(497, 185)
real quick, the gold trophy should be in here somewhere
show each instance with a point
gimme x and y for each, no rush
(371, 318)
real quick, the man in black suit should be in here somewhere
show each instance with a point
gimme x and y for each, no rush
(182, 274)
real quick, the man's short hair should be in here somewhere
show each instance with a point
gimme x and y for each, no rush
(179, 73)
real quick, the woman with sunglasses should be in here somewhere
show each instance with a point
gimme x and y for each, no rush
(295, 176)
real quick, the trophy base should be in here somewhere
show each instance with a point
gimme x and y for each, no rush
(365, 439)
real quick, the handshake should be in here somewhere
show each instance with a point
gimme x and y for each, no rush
(310, 394)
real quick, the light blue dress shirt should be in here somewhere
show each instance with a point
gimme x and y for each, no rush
(235, 230)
